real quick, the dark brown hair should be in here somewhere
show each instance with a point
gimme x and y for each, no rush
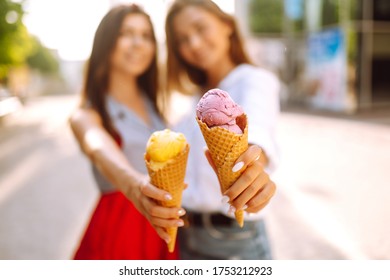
(180, 73)
(96, 80)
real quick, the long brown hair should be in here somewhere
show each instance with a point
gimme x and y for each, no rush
(180, 74)
(96, 78)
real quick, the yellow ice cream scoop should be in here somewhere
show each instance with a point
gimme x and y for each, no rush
(166, 160)
(165, 144)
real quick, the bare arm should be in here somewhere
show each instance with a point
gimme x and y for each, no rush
(99, 146)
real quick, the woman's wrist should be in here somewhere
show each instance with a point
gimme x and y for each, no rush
(131, 182)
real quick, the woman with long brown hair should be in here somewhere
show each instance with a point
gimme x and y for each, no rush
(205, 51)
(120, 109)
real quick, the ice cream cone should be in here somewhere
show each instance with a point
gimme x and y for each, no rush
(170, 177)
(225, 147)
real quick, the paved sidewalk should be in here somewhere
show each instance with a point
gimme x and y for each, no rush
(332, 199)
(46, 193)
(334, 184)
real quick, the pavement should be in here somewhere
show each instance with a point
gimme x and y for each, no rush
(334, 183)
(46, 193)
(331, 202)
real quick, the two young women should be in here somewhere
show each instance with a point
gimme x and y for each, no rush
(121, 107)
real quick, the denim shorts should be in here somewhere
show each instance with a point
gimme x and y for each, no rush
(211, 241)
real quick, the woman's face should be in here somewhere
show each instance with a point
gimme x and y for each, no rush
(135, 47)
(202, 38)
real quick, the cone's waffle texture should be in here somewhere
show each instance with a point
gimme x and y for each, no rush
(171, 179)
(225, 147)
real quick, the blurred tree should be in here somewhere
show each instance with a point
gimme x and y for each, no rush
(330, 12)
(266, 16)
(15, 41)
(42, 59)
(17, 46)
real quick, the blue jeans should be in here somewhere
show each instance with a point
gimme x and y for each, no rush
(224, 242)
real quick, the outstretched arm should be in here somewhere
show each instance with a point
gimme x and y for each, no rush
(100, 147)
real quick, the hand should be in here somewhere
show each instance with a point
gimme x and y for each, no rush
(253, 189)
(145, 196)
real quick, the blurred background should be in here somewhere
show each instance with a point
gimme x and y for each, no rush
(332, 57)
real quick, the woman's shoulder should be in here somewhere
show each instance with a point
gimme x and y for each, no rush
(249, 71)
(247, 74)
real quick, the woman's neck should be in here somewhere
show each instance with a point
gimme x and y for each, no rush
(216, 74)
(123, 87)
(125, 90)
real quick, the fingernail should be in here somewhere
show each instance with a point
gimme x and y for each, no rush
(244, 207)
(181, 212)
(257, 158)
(168, 196)
(232, 209)
(205, 148)
(238, 166)
(225, 199)
(180, 223)
(167, 239)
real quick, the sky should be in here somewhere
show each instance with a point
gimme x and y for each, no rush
(69, 25)
(65, 25)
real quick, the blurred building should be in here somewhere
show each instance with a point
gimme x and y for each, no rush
(330, 54)
(372, 24)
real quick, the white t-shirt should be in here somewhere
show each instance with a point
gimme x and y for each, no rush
(257, 91)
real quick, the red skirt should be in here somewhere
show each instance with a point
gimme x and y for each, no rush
(117, 231)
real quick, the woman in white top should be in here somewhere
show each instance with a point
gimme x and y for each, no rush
(204, 52)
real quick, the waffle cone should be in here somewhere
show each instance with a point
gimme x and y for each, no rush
(225, 147)
(171, 179)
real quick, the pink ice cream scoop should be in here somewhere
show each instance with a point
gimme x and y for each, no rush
(217, 108)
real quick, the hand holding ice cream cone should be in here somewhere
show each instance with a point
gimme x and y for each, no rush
(224, 126)
(166, 160)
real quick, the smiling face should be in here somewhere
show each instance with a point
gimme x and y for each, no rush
(202, 38)
(135, 47)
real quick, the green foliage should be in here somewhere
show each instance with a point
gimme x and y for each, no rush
(352, 45)
(266, 16)
(355, 9)
(10, 16)
(14, 38)
(330, 12)
(42, 59)
(17, 46)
